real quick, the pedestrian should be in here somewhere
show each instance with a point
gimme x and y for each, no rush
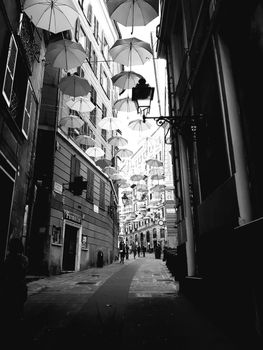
(127, 251)
(134, 250)
(122, 252)
(139, 250)
(143, 250)
(13, 282)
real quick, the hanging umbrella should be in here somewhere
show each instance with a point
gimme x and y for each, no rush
(109, 123)
(126, 79)
(137, 177)
(109, 170)
(152, 162)
(65, 54)
(117, 141)
(81, 104)
(158, 188)
(52, 15)
(132, 13)
(118, 177)
(125, 105)
(139, 125)
(157, 177)
(95, 152)
(131, 51)
(102, 163)
(74, 85)
(124, 152)
(141, 188)
(85, 140)
(71, 122)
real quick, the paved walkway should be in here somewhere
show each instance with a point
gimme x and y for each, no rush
(130, 305)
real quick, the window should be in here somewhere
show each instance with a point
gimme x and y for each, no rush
(102, 195)
(90, 185)
(104, 115)
(82, 38)
(74, 168)
(27, 110)
(93, 99)
(96, 29)
(104, 81)
(94, 61)
(84, 242)
(56, 235)
(89, 14)
(10, 71)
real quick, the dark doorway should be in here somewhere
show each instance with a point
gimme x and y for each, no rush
(69, 251)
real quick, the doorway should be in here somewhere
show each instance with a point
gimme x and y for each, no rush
(70, 248)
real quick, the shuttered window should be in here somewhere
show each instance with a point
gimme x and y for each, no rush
(90, 186)
(27, 110)
(102, 195)
(74, 168)
(10, 71)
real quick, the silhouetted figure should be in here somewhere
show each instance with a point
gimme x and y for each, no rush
(139, 250)
(13, 282)
(143, 250)
(122, 252)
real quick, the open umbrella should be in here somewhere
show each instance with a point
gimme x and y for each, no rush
(139, 125)
(124, 152)
(109, 123)
(95, 152)
(71, 122)
(158, 177)
(52, 15)
(158, 188)
(109, 170)
(126, 79)
(74, 85)
(65, 54)
(137, 177)
(102, 163)
(125, 105)
(117, 141)
(81, 104)
(152, 162)
(85, 140)
(132, 13)
(131, 51)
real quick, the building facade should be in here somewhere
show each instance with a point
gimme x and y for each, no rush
(214, 53)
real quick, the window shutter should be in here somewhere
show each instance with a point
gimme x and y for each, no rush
(90, 185)
(27, 110)
(10, 71)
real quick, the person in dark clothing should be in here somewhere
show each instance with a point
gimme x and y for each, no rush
(143, 250)
(122, 252)
(139, 250)
(13, 282)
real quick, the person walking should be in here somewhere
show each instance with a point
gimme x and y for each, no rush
(134, 250)
(139, 250)
(122, 252)
(143, 250)
(13, 280)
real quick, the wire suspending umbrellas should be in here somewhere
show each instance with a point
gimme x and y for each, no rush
(65, 54)
(126, 80)
(95, 152)
(132, 13)
(74, 86)
(52, 15)
(131, 51)
(81, 104)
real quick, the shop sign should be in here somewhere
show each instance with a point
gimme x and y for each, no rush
(72, 216)
(58, 188)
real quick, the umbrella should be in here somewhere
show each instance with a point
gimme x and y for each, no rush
(158, 188)
(124, 152)
(125, 105)
(81, 104)
(95, 152)
(85, 140)
(109, 123)
(109, 170)
(117, 177)
(65, 54)
(74, 85)
(137, 177)
(152, 162)
(141, 188)
(126, 79)
(102, 163)
(117, 141)
(131, 51)
(157, 177)
(133, 12)
(52, 15)
(71, 122)
(139, 125)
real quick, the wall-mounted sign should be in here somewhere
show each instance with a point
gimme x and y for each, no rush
(95, 208)
(58, 188)
(72, 216)
(160, 222)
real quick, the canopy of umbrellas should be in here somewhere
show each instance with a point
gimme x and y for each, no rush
(57, 16)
